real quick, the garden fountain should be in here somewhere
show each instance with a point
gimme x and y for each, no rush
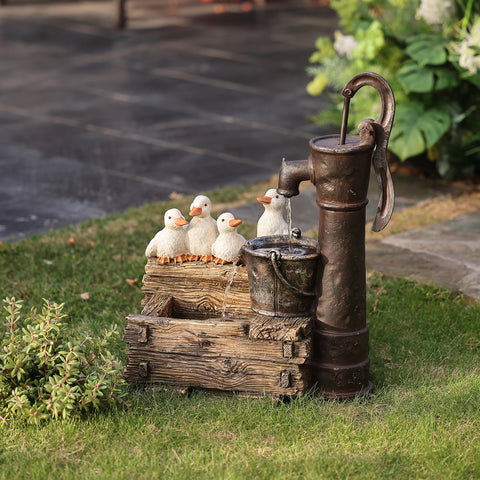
(339, 167)
(296, 313)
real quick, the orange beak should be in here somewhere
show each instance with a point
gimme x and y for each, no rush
(265, 200)
(180, 221)
(234, 222)
(195, 211)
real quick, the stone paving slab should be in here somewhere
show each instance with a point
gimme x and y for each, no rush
(445, 253)
(97, 120)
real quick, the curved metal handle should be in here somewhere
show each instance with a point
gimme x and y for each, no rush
(275, 257)
(383, 126)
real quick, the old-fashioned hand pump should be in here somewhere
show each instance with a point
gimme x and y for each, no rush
(339, 167)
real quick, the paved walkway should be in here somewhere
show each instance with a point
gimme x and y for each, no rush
(93, 121)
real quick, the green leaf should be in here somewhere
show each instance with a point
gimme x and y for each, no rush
(370, 41)
(434, 124)
(407, 143)
(317, 85)
(445, 78)
(474, 79)
(325, 46)
(416, 130)
(415, 78)
(427, 50)
(315, 57)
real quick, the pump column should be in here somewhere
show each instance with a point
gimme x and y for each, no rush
(340, 365)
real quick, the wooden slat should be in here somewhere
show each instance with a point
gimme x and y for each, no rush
(198, 288)
(217, 373)
(275, 328)
(203, 301)
(208, 272)
(210, 338)
(159, 305)
(182, 340)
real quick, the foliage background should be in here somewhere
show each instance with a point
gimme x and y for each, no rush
(429, 51)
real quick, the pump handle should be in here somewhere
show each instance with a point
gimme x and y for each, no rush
(382, 126)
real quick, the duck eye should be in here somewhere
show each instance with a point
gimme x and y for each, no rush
(276, 196)
(169, 218)
(205, 205)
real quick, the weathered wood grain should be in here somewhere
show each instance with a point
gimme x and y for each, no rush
(217, 373)
(209, 272)
(198, 288)
(159, 305)
(210, 338)
(182, 340)
(275, 328)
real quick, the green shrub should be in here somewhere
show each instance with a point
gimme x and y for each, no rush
(44, 373)
(429, 51)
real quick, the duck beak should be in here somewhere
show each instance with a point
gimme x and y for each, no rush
(180, 221)
(195, 211)
(234, 222)
(265, 200)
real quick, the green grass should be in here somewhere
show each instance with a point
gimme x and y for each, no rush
(422, 421)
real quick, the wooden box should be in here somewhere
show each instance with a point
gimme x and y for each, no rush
(184, 336)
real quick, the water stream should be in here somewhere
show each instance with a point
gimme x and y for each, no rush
(288, 206)
(229, 285)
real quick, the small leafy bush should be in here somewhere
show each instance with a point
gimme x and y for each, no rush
(44, 373)
(429, 51)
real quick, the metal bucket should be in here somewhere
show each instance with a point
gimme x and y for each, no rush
(281, 274)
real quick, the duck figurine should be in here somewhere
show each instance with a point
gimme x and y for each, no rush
(272, 222)
(171, 242)
(202, 230)
(228, 243)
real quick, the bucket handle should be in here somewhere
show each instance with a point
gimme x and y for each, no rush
(275, 257)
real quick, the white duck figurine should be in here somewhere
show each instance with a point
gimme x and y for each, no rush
(171, 242)
(228, 243)
(272, 222)
(202, 230)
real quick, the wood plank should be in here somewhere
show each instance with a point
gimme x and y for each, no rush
(207, 272)
(159, 305)
(210, 338)
(291, 329)
(193, 296)
(218, 373)
(184, 342)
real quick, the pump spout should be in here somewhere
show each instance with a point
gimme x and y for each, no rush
(293, 172)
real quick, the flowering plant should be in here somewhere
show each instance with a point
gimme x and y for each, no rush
(429, 51)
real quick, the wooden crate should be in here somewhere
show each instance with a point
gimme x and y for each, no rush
(182, 339)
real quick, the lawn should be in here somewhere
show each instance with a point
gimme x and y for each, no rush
(422, 421)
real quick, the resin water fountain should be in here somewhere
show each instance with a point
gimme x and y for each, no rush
(339, 167)
(295, 311)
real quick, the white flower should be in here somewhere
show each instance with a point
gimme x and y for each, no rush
(468, 59)
(469, 49)
(344, 44)
(435, 12)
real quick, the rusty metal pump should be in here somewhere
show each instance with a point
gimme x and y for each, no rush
(339, 167)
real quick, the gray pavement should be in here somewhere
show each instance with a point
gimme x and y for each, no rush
(94, 120)
(445, 253)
